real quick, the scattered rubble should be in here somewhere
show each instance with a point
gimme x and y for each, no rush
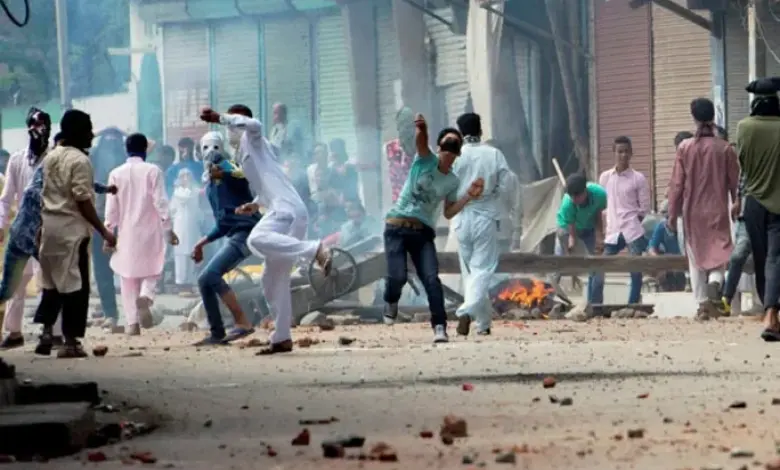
(453, 427)
(737, 453)
(637, 433)
(548, 382)
(100, 351)
(345, 341)
(302, 439)
(738, 405)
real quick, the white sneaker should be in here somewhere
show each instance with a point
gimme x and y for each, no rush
(390, 314)
(440, 334)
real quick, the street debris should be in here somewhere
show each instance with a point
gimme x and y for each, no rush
(100, 351)
(302, 439)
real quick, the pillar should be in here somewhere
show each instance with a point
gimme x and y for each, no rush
(718, 60)
(360, 26)
(415, 66)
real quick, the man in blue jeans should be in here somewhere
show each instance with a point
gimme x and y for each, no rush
(579, 218)
(226, 189)
(628, 193)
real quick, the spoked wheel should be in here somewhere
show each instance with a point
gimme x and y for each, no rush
(342, 278)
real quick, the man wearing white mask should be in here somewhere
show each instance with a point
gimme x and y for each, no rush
(279, 236)
(477, 225)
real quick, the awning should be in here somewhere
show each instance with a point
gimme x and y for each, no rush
(170, 11)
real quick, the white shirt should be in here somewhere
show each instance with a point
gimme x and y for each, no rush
(479, 160)
(272, 188)
(18, 175)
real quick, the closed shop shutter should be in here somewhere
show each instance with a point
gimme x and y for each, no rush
(288, 69)
(737, 72)
(335, 117)
(624, 82)
(237, 68)
(388, 70)
(186, 84)
(681, 74)
(450, 68)
(526, 54)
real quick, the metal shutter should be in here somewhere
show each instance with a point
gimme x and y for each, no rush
(681, 74)
(288, 69)
(335, 118)
(236, 64)
(186, 83)
(624, 82)
(527, 59)
(388, 70)
(450, 67)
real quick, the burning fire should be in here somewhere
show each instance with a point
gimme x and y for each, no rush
(525, 292)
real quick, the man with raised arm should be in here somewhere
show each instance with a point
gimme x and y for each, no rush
(279, 236)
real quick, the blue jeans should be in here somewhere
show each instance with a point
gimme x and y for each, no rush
(636, 248)
(104, 278)
(419, 245)
(210, 281)
(588, 238)
(14, 263)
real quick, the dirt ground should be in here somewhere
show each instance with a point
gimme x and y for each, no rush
(692, 395)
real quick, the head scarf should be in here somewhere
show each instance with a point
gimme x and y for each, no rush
(39, 129)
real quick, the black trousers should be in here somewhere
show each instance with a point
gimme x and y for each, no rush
(74, 305)
(763, 229)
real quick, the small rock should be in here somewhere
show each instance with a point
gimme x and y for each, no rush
(643, 395)
(737, 453)
(96, 456)
(738, 405)
(553, 399)
(345, 341)
(270, 451)
(447, 440)
(548, 382)
(775, 401)
(327, 325)
(208, 423)
(383, 452)
(508, 457)
(302, 439)
(454, 426)
(306, 342)
(772, 465)
(313, 319)
(566, 401)
(99, 351)
(426, 434)
(467, 387)
(579, 314)
(144, 457)
(467, 460)
(638, 433)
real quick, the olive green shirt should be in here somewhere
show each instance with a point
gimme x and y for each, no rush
(758, 147)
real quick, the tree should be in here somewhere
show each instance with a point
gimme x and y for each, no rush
(30, 52)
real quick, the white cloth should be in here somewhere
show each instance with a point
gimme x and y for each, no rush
(478, 239)
(186, 214)
(18, 175)
(272, 188)
(278, 237)
(700, 277)
(478, 160)
(184, 269)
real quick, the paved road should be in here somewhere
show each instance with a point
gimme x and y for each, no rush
(391, 383)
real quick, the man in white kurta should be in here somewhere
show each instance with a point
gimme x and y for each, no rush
(477, 225)
(279, 236)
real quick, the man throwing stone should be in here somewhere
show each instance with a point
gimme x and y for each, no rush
(279, 236)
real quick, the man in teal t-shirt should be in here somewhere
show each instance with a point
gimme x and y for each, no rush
(579, 217)
(410, 226)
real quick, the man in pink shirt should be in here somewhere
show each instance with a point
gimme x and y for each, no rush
(628, 202)
(140, 212)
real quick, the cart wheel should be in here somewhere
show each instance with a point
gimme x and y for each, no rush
(342, 278)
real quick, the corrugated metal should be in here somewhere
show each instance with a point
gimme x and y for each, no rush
(522, 49)
(288, 68)
(623, 81)
(450, 68)
(737, 74)
(186, 79)
(334, 96)
(236, 64)
(681, 74)
(388, 69)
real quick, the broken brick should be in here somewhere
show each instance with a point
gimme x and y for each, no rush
(643, 395)
(467, 387)
(383, 452)
(270, 451)
(96, 457)
(425, 434)
(302, 439)
(454, 426)
(99, 351)
(332, 450)
(638, 433)
(548, 382)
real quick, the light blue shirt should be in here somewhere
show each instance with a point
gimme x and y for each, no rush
(424, 190)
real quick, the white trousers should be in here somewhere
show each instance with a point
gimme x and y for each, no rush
(134, 288)
(14, 309)
(478, 254)
(184, 270)
(279, 238)
(700, 277)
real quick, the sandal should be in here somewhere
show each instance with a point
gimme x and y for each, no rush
(238, 333)
(770, 336)
(276, 348)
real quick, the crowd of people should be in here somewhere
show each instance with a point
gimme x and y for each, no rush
(253, 194)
